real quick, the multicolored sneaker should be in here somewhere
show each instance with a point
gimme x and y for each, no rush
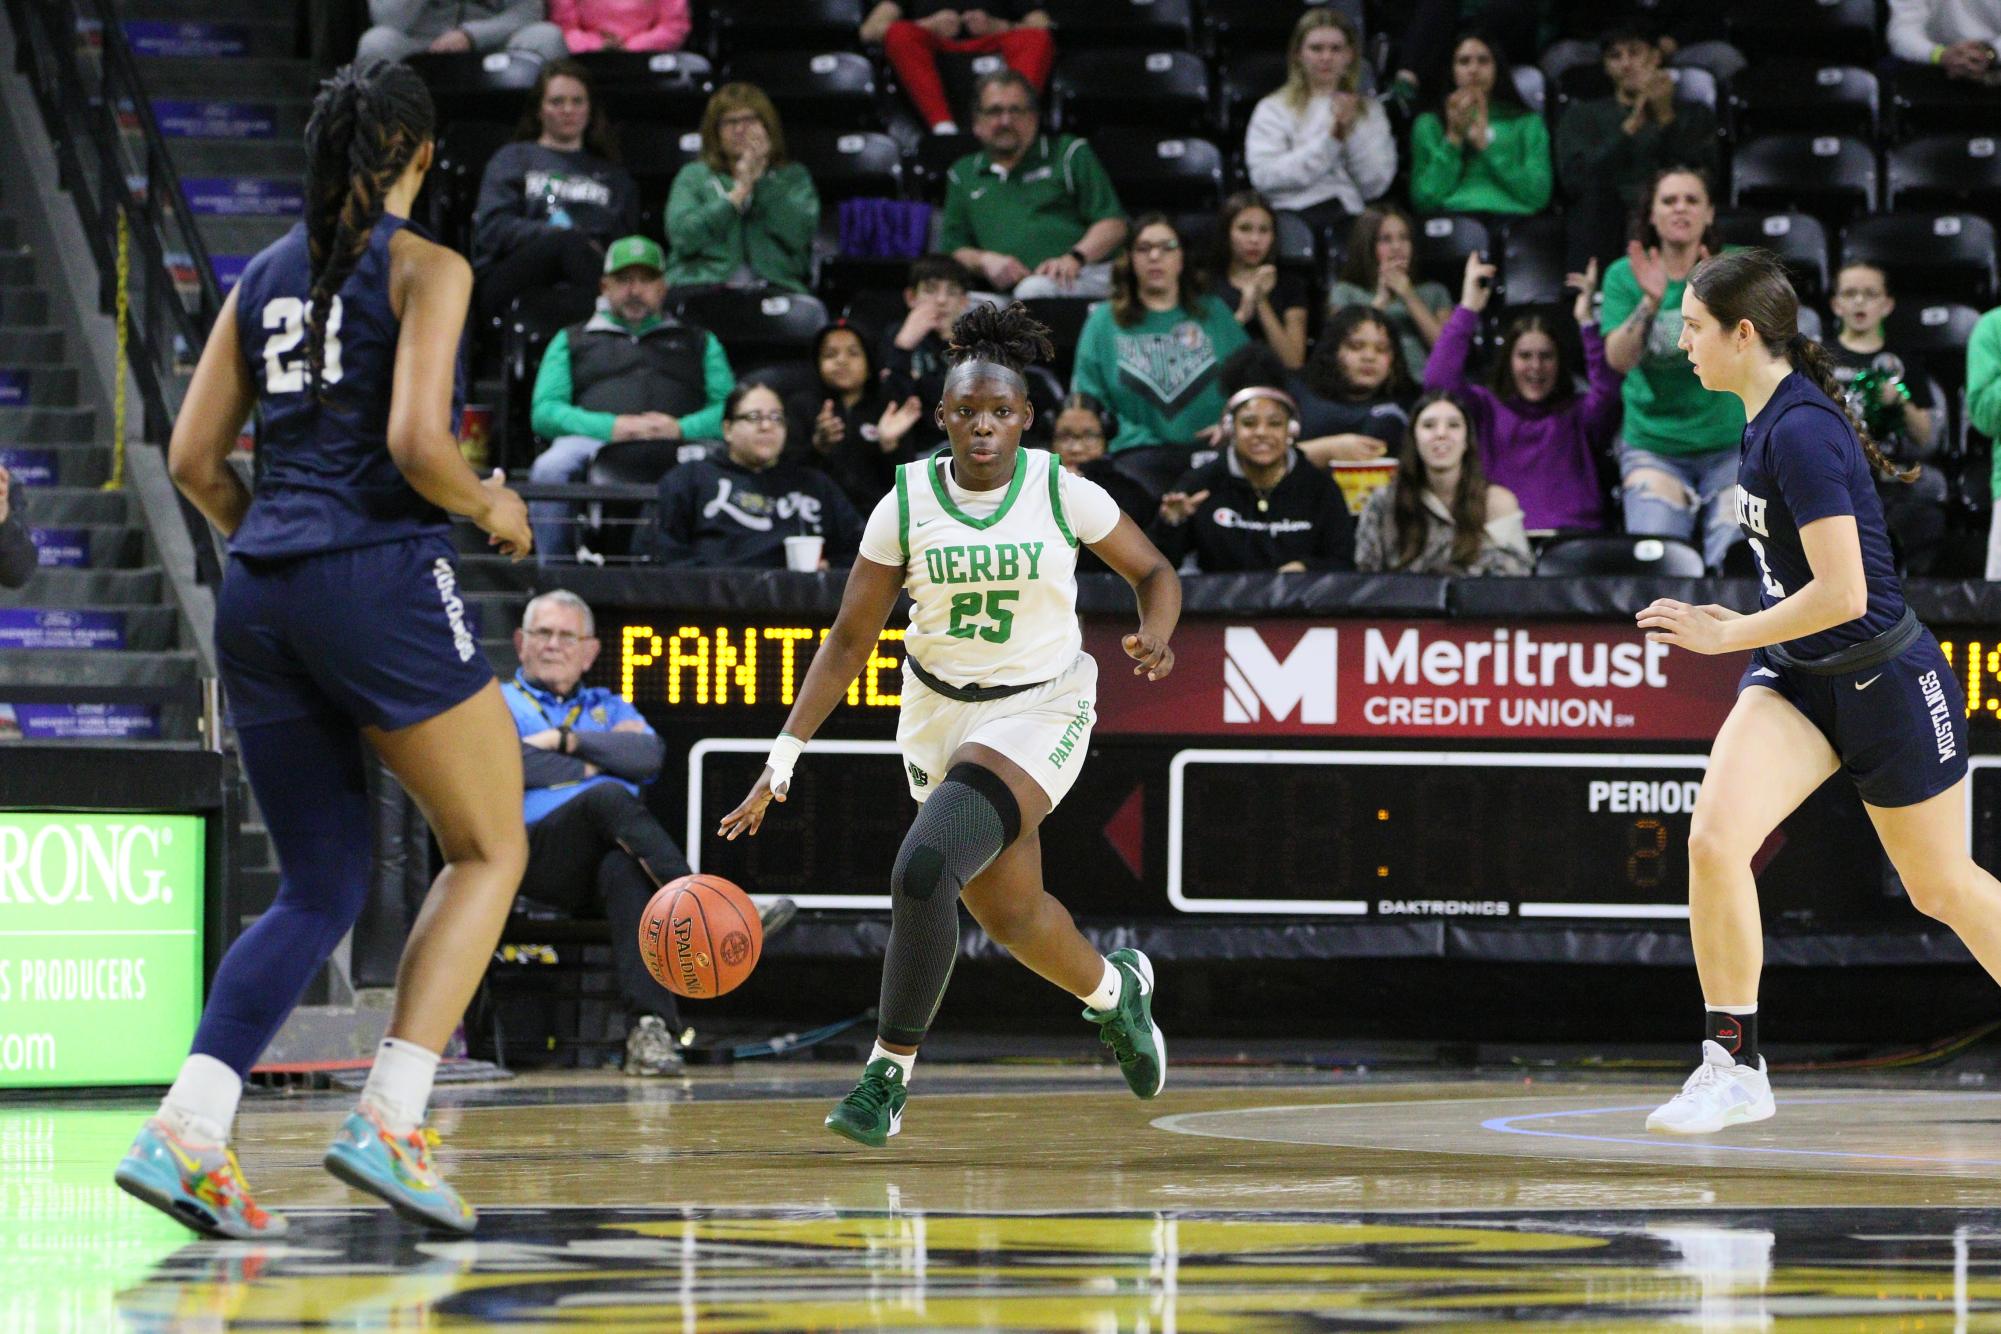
(397, 1169)
(874, 1111)
(1129, 1030)
(201, 1185)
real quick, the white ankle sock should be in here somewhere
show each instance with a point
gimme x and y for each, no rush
(202, 1103)
(905, 1063)
(399, 1085)
(1110, 988)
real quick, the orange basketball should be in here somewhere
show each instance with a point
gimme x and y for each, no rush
(700, 936)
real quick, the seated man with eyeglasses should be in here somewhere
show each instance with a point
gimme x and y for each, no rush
(592, 844)
(1032, 215)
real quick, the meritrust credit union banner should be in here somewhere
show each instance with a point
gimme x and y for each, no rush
(100, 946)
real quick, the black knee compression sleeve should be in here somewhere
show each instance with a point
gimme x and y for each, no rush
(966, 823)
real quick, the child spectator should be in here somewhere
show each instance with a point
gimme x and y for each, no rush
(914, 33)
(1537, 437)
(1894, 397)
(849, 427)
(1319, 145)
(913, 358)
(743, 213)
(1270, 304)
(550, 202)
(1377, 271)
(1479, 150)
(734, 509)
(1354, 391)
(1259, 505)
(1439, 515)
(621, 25)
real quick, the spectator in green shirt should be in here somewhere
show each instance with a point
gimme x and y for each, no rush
(1031, 215)
(1606, 147)
(1153, 355)
(743, 213)
(1983, 411)
(1479, 150)
(630, 372)
(1677, 448)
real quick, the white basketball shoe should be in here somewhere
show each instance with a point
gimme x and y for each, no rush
(1720, 1093)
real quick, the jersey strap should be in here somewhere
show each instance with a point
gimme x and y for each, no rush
(903, 509)
(944, 493)
(1056, 501)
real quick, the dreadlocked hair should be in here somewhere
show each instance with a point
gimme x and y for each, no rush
(1008, 337)
(367, 123)
(1751, 284)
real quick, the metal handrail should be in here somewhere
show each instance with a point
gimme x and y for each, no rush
(92, 115)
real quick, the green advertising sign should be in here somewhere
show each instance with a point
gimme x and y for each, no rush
(100, 946)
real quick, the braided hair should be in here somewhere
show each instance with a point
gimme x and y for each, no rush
(367, 123)
(1009, 337)
(1751, 284)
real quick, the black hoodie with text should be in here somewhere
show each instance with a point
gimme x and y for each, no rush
(1303, 518)
(716, 512)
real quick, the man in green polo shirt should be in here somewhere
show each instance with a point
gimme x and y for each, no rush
(1032, 215)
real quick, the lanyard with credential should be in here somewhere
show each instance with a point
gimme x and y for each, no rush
(569, 720)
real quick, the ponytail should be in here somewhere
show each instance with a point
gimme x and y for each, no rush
(1811, 360)
(367, 123)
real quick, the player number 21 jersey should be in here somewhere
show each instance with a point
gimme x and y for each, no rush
(992, 575)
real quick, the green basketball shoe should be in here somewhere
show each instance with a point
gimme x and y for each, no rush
(874, 1111)
(1129, 1030)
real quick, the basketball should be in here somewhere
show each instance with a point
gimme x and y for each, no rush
(700, 936)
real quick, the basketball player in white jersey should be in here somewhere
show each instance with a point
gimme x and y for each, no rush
(999, 699)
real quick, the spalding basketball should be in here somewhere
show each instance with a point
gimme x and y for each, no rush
(700, 936)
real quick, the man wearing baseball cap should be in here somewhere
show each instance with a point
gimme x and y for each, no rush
(630, 372)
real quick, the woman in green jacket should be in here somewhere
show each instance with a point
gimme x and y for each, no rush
(743, 213)
(1480, 150)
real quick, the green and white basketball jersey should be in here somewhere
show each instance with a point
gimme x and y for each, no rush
(995, 598)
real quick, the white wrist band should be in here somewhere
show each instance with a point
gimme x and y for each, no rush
(785, 752)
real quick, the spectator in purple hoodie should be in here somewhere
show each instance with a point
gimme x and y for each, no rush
(1538, 437)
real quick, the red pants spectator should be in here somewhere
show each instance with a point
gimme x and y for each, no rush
(913, 53)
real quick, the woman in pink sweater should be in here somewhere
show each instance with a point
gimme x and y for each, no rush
(621, 25)
(1538, 437)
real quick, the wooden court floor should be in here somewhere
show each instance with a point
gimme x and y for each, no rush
(1044, 1197)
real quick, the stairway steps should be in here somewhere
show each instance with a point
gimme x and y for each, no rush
(221, 77)
(80, 589)
(26, 344)
(48, 386)
(76, 466)
(18, 268)
(106, 546)
(173, 669)
(241, 236)
(77, 506)
(23, 304)
(46, 426)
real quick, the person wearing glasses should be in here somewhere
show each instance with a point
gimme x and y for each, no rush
(1032, 215)
(632, 371)
(743, 213)
(734, 508)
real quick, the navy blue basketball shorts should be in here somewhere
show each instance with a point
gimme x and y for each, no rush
(378, 633)
(1899, 727)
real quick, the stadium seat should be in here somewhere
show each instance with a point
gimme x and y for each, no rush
(1581, 83)
(1800, 97)
(651, 89)
(529, 324)
(1937, 334)
(1166, 25)
(1155, 171)
(626, 463)
(1241, 83)
(1810, 323)
(1045, 396)
(851, 165)
(452, 189)
(494, 86)
(1829, 176)
(1796, 238)
(654, 160)
(788, 25)
(1065, 317)
(1944, 171)
(1835, 31)
(1923, 103)
(1617, 554)
(1240, 28)
(754, 325)
(1533, 260)
(1160, 90)
(1929, 256)
(1442, 244)
(935, 155)
(813, 89)
(785, 378)
(1532, 88)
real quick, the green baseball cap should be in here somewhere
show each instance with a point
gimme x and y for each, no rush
(628, 251)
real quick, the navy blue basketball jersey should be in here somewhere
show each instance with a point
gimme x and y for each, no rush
(1801, 462)
(325, 480)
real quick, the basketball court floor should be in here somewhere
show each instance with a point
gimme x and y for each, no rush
(1042, 1196)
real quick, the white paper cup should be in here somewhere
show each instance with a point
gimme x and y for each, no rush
(803, 553)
